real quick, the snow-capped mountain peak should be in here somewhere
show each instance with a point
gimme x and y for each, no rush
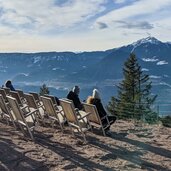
(149, 39)
(145, 41)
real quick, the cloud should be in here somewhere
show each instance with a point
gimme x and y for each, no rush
(55, 24)
(138, 9)
(50, 14)
(162, 63)
(101, 25)
(137, 25)
(119, 1)
(6, 31)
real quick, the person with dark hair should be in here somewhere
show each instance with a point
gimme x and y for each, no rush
(9, 85)
(74, 96)
(96, 100)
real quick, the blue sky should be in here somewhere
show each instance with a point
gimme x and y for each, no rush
(80, 25)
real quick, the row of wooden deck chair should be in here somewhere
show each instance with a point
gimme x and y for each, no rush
(24, 109)
(82, 121)
(17, 115)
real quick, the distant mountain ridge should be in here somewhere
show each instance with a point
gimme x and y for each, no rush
(102, 68)
(153, 55)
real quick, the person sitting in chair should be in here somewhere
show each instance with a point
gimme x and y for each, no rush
(9, 85)
(95, 100)
(74, 96)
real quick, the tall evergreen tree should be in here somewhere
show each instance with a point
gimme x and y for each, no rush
(134, 98)
(44, 90)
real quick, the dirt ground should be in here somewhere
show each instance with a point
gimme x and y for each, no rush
(130, 147)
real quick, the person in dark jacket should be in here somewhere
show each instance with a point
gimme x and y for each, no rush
(74, 96)
(9, 85)
(95, 100)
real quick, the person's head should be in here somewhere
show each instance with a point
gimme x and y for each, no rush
(8, 82)
(76, 90)
(96, 94)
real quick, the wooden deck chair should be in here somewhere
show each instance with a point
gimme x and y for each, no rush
(94, 118)
(37, 99)
(52, 112)
(5, 112)
(21, 117)
(52, 98)
(21, 94)
(7, 90)
(36, 96)
(73, 118)
(3, 93)
(33, 105)
(17, 97)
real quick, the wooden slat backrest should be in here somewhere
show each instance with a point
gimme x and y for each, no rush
(52, 98)
(30, 100)
(36, 96)
(68, 108)
(48, 104)
(7, 90)
(3, 93)
(3, 105)
(94, 117)
(16, 109)
(16, 96)
(20, 92)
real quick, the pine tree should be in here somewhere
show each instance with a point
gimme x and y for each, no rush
(134, 98)
(44, 90)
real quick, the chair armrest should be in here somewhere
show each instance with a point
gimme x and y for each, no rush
(60, 111)
(104, 117)
(24, 107)
(76, 109)
(82, 117)
(30, 113)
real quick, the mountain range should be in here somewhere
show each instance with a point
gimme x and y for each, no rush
(102, 69)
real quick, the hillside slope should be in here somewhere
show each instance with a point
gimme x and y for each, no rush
(130, 148)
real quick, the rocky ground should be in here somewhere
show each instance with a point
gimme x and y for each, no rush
(130, 147)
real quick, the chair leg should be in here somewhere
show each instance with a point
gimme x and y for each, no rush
(14, 124)
(21, 128)
(71, 130)
(31, 135)
(52, 122)
(103, 131)
(37, 118)
(84, 137)
(7, 121)
(61, 127)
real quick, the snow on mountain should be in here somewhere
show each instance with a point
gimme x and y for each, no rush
(162, 63)
(149, 39)
(145, 42)
(153, 59)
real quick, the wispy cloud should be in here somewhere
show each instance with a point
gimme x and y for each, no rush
(101, 25)
(119, 1)
(137, 9)
(135, 24)
(98, 24)
(48, 14)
